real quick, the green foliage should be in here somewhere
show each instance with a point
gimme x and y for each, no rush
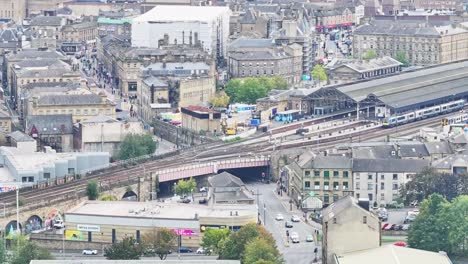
(220, 99)
(319, 74)
(248, 90)
(108, 197)
(401, 57)
(92, 190)
(135, 146)
(21, 201)
(457, 220)
(27, 252)
(128, 248)
(260, 250)
(185, 186)
(234, 246)
(3, 252)
(213, 240)
(430, 181)
(128, 189)
(160, 242)
(232, 139)
(370, 54)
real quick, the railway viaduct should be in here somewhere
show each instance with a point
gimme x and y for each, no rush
(37, 214)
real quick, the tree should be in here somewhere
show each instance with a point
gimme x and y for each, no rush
(29, 251)
(160, 241)
(184, 187)
(92, 190)
(213, 240)
(319, 74)
(401, 57)
(233, 247)
(430, 181)
(108, 197)
(260, 250)
(3, 252)
(457, 220)
(128, 248)
(370, 54)
(429, 231)
(248, 90)
(135, 146)
(220, 99)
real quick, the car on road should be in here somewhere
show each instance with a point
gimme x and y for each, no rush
(89, 252)
(279, 217)
(203, 201)
(203, 189)
(294, 237)
(288, 224)
(295, 218)
(201, 250)
(309, 238)
(185, 250)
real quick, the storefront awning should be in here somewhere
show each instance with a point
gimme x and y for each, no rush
(319, 27)
(332, 26)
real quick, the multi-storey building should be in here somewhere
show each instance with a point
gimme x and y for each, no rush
(421, 44)
(13, 9)
(46, 31)
(259, 57)
(327, 177)
(379, 180)
(80, 32)
(55, 131)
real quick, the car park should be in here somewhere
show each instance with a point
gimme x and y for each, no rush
(89, 252)
(295, 218)
(279, 217)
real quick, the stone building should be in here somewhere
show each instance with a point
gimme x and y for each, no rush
(55, 131)
(5, 120)
(13, 9)
(422, 44)
(80, 32)
(261, 57)
(198, 118)
(46, 31)
(348, 226)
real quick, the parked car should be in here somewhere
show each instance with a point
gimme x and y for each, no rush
(185, 250)
(309, 238)
(295, 218)
(294, 237)
(203, 189)
(186, 200)
(89, 252)
(279, 217)
(405, 227)
(201, 250)
(288, 224)
(203, 201)
(58, 224)
(385, 226)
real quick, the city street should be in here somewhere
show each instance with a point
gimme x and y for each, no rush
(300, 253)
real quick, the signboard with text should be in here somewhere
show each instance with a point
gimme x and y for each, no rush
(88, 228)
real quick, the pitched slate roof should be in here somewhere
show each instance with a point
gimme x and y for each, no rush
(70, 99)
(442, 147)
(50, 124)
(416, 150)
(332, 162)
(389, 165)
(19, 136)
(46, 21)
(225, 179)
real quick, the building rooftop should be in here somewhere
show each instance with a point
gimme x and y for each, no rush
(70, 99)
(362, 66)
(200, 109)
(341, 205)
(391, 254)
(155, 81)
(19, 136)
(332, 162)
(50, 124)
(160, 210)
(225, 179)
(389, 165)
(169, 13)
(406, 29)
(448, 162)
(252, 43)
(51, 21)
(33, 54)
(99, 119)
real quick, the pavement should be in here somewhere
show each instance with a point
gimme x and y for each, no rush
(164, 147)
(270, 205)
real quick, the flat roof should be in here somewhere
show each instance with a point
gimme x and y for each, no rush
(169, 210)
(171, 13)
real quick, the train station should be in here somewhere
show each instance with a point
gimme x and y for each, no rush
(396, 94)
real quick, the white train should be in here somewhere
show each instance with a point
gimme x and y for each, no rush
(423, 113)
(458, 119)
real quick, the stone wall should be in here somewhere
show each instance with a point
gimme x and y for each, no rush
(179, 136)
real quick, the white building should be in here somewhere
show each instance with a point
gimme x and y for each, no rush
(207, 26)
(379, 180)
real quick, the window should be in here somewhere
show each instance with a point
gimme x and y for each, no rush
(358, 195)
(345, 185)
(382, 177)
(336, 186)
(132, 86)
(382, 196)
(358, 176)
(395, 186)
(369, 186)
(326, 186)
(345, 174)
(307, 184)
(335, 197)
(364, 219)
(30, 179)
(395, 177)
(307, 173)
(369, 177)
(317, 173)
(317, 185)
(326, 174)
(336, 173)
(326, 198)
(334, 220)
(382, 186)
(24, 179)
(358, 186)
(370, 197)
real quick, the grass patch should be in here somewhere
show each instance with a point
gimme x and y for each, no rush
(232, 139)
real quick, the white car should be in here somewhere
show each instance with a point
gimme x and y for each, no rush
(294, 237)
(203, 189)
(89, 252)
(295, 218)
(201, 250)
(279, 217)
